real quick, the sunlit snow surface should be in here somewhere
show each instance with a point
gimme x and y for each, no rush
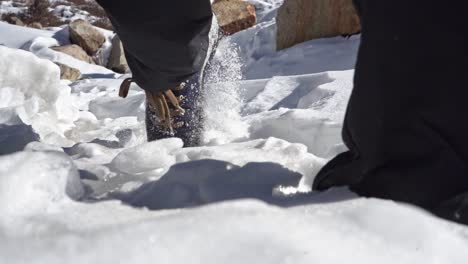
(92, 190)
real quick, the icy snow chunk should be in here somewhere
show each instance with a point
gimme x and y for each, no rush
(11, 97)
(37, 97)
(147, 157)
(115, 107)
(22, 71)
(33, 182)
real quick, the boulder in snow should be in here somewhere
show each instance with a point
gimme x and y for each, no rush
(75, 51)
(86, 35)
(117, 61)
(35, 25)
(15, 21)
(234, 15)
(68, 73)
(302, 20)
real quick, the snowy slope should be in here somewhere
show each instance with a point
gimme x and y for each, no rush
(92, 191)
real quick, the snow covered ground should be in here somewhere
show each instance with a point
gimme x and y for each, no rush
(78, 183)
(8, 7)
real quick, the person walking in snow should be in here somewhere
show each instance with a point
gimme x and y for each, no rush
(165, 44)
(405, 126)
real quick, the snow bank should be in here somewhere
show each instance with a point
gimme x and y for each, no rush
(307, 109)
(34, 182)
(356, 231)
(35, 95)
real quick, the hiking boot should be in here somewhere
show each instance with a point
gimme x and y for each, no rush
(173, 113)
(184, 119)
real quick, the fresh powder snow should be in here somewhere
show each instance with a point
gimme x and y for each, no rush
(80, 184)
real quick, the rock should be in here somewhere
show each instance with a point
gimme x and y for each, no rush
(36, 25)
(15, 21)
(117, 61)
(302, 20)
(234, 15)
(75, 51)
(86, 36)
(68, 73)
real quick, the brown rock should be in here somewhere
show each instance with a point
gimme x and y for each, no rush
(36, 25)
(75, 51)
(234, 15)
(15, 21)
(86, 36)
(302, 20)
(117, 61)
(68, 73)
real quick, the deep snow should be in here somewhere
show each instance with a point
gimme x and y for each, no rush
(92, 191)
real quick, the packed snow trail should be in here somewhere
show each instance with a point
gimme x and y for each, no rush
(85, 187)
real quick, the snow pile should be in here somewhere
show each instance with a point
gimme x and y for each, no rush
(79, 124)
(34, 96)
(305, 109)
(252, 232)
(34, 182)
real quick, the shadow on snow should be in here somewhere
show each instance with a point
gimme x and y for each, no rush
(202, 182)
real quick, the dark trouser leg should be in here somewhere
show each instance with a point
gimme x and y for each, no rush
(405, 123)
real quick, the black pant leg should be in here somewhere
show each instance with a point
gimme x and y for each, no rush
(165, 41)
